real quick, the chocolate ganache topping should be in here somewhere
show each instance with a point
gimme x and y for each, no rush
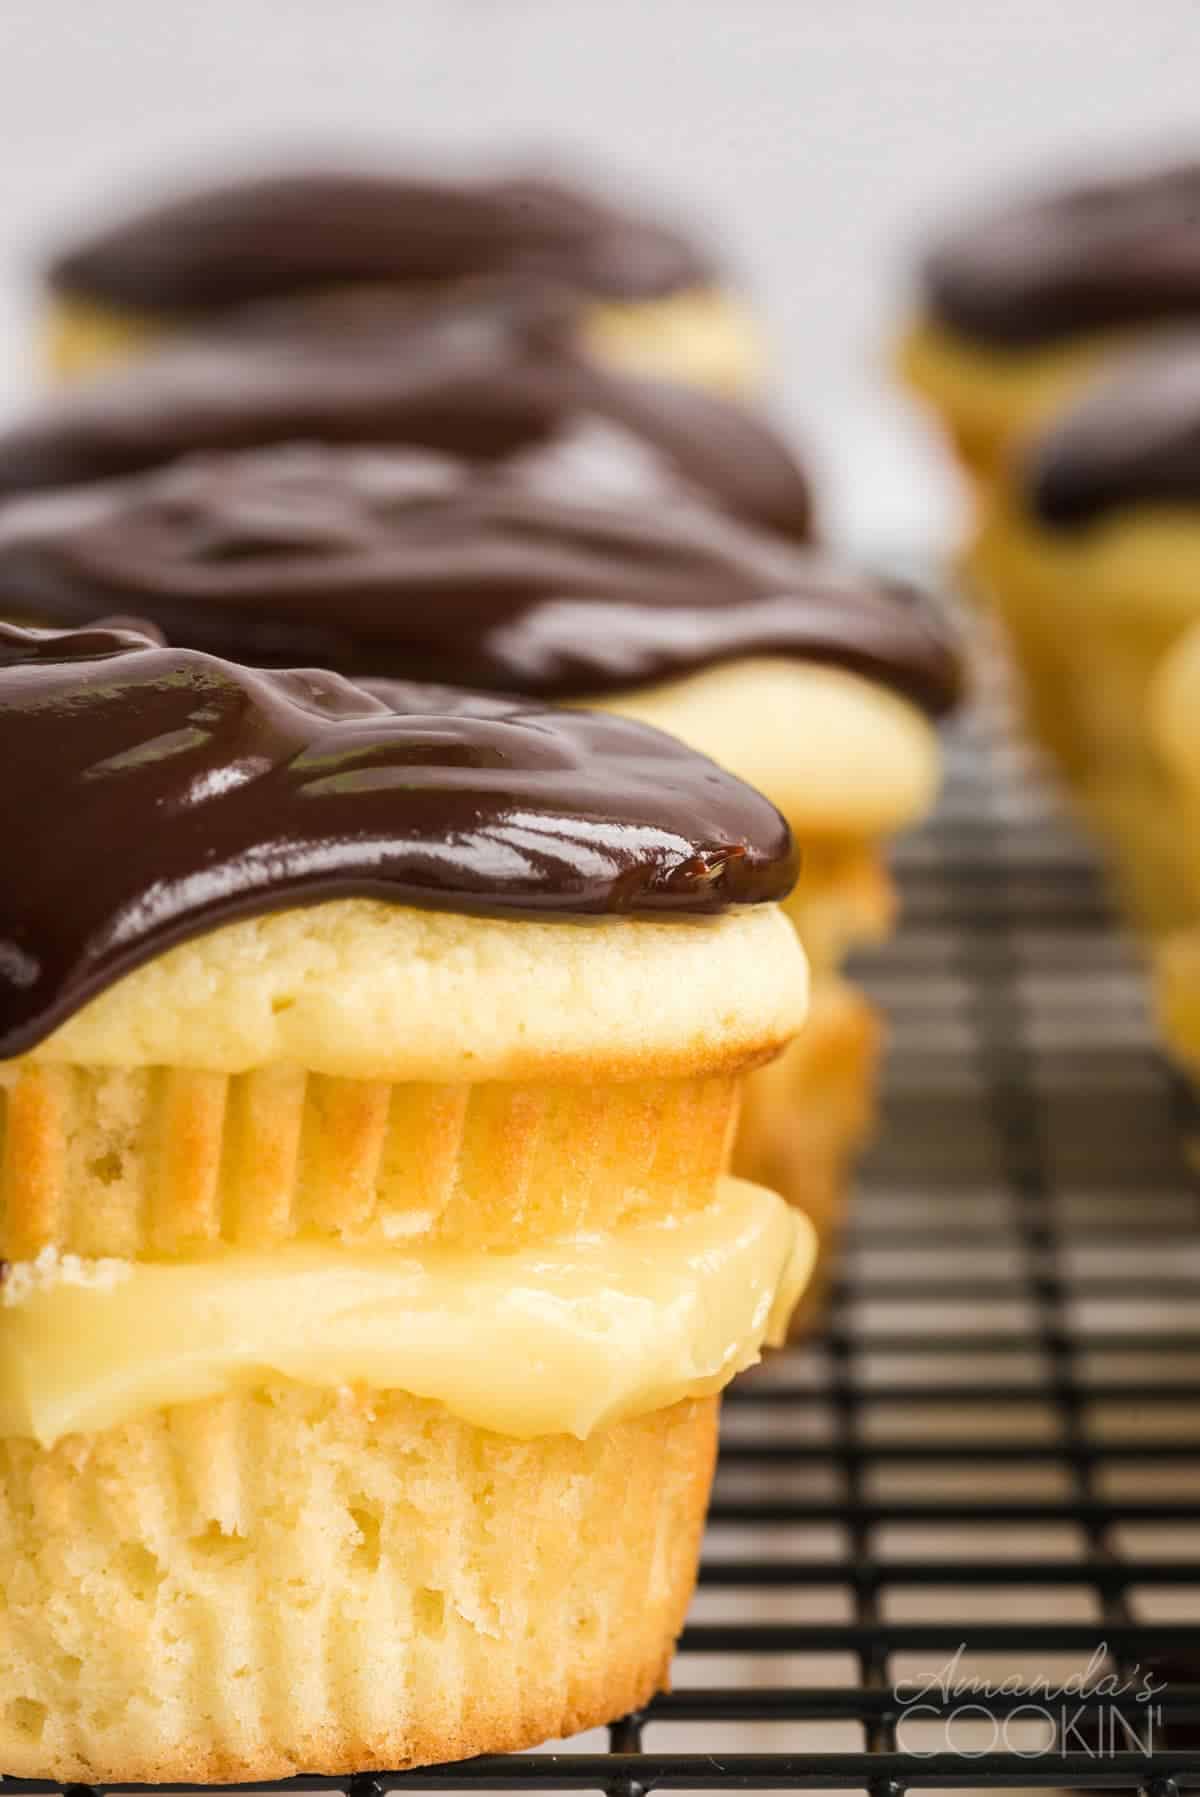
(1098, 256)
(488, 370)
(152, 793)
(537, 575)
(1132, 438)
(273, 234)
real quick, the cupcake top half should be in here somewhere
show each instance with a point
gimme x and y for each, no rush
(1101, 255)
(271, 234)
(153, 794)
(484, 372)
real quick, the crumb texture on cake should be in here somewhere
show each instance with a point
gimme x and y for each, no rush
(187, 1598)
(837, 753)
(362, 989)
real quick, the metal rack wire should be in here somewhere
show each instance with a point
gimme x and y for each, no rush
(995, 1445)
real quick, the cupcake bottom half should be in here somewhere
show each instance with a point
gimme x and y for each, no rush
(283, 1579)
(987, 398)
(1090, 618)
(702, 336)
(358, 1402)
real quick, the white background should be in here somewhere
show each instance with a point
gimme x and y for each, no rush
(821, 136)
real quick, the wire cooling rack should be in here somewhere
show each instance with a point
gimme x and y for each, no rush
(990, 1461)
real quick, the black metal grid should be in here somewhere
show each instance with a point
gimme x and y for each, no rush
(996, 1443)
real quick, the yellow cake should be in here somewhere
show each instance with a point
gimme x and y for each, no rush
(371, 1264)
(704, 337)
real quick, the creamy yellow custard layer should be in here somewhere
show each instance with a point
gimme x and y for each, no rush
(563, 1338)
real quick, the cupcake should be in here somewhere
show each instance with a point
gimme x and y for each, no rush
(370, 1064)
(654, 302)
(1022, 303)
(485, 372)
(1090, 560)
(535, 575)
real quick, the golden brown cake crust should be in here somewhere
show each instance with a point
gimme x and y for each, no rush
(362, 989)
(187, 1598)
(146, 1163)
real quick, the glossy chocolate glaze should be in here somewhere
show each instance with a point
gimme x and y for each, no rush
(273, 234)
(1132, 438)
(483, 372)
(540, 575)
(151, 793)
(1101, 255)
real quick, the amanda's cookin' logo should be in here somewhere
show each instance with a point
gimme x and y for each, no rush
(1095, 1711)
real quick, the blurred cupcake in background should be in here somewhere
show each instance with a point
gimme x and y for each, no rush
(1091, 558)
(654, 301)
(540, 573)
(1022, 302)
(484, 371)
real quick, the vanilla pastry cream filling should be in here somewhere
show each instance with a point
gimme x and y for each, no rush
(562, 1338)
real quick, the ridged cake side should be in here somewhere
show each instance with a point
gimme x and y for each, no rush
(142, 1163)
(289, 1580)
